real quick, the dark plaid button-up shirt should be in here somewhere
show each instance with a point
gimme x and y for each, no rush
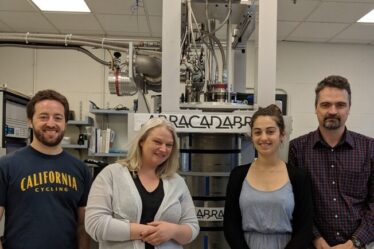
(343, 184)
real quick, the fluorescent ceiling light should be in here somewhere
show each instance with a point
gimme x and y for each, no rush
(368, 18)
(62, 5)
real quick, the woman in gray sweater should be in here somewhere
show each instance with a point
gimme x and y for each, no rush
(141, 202)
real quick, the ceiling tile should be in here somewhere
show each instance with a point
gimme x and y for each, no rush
(120, 18)
(357, 32)
(123, 23)
(317, 31)
(355, 41)
(125, 7)
(287, 11)
(69, 22)
(306, 39)
(342, 12)
(26, 22)
(285, 28)
(17, 5)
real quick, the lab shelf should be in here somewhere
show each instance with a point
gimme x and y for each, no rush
(75, 146)
(87, 122)
(108, 154)
(109, 111)
(110, 126)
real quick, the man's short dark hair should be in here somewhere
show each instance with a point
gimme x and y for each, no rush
(333, 81)
(47, 95)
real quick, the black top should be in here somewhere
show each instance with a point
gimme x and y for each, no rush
(302, 219)
(151, 201)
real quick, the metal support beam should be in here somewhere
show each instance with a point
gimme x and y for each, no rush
(267, 43)
(171, 33)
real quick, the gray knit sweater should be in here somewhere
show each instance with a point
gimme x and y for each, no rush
(114, 203)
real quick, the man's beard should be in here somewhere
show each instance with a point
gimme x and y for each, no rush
(39, 134)
(332, 123)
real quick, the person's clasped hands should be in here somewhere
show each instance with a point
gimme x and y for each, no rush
(158, 232)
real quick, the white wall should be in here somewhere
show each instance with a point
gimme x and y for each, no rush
(16, 69)
(72, 73)
(300, 66)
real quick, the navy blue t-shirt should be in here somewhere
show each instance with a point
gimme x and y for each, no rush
(41, 194)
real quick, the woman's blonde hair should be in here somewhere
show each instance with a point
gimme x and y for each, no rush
(134, 158)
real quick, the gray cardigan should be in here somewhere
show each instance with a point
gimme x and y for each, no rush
(114, 203)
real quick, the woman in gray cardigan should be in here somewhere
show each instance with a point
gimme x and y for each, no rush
(141, 202)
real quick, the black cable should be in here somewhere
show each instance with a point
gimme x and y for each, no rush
(52, 46)
(146, 103)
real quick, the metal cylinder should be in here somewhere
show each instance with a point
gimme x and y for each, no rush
(206, 162)
(217, 93)
(120, 83)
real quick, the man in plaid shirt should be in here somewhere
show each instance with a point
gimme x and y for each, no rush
(341, 165)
